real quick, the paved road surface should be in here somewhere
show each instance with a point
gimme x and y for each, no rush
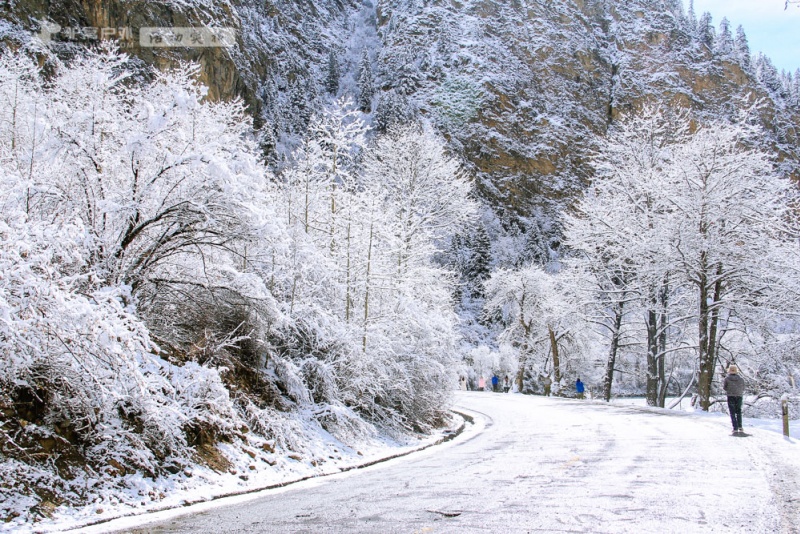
(534, 464)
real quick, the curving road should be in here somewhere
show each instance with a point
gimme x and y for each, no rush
(534, 464)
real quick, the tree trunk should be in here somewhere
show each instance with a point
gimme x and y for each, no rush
(706, 364)
(347, 297)
(524, 353)
(556, 362)
(307, 206)
(521, 372)
(612, 352)
(713, 327)
(709, 326)
(366, 285)
(652, 357)
(662, 344)
(333, 219)
(526, 328)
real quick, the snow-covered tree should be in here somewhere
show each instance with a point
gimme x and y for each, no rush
(691, 18)
(392, 110)
(768, 75)
(725, 43)
(730, 212)
(742, 47)
(358, 279)
(796, 88)
(332, 74)
(698, 217)
(118, 196)
(539, 319)
(705, 30)
(428, 189)
(620, 237)
(366, 89)
(479, 267)
(300, 107)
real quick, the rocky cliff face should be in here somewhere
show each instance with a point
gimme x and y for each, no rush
(273, 38)
(519, 87)
(553, 74)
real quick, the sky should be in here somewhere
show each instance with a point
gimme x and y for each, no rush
(770, 29)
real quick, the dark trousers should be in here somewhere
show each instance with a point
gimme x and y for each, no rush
(735, 409)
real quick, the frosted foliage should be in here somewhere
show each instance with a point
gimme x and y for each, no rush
(410, 169)
(537, 310)
(376, 318)
(160, 292)
(725, 43)
(742, 47)
(366, 89)
(522, 89)
(332, 74)
(705, 30)
(393, 110)
(691, 229)
(104, 190)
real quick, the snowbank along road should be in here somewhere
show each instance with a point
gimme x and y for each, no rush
(534, 464)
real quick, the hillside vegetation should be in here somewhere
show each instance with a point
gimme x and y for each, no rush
(315, 231)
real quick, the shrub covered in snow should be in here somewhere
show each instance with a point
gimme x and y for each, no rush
(162, 294)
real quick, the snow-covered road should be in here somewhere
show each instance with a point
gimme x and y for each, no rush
(534, 464)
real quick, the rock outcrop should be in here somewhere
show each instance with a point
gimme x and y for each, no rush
(520, 87)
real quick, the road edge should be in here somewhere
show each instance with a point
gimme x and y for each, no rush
(447, 435)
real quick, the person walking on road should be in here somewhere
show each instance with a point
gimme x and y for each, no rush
(579, 388)
(547, 383)
(506, 384)
(481, 384)
(495, 382)
(734, 388)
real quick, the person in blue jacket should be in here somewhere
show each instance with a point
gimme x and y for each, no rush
(579, 388)
(495, 381)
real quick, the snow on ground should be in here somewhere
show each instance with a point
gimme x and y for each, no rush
(248, 476)
(771, 425)
(538, 464)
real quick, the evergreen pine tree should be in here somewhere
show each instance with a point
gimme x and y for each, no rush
(458, 264)
(786, 82)
(768, 75)
(480, 260)
(705, 30)
(742, 48)
(269, 110)
(300, 110)
(392, 109)
(366, 89)
(536, 250)
(796, 88)
(332, 78)
(691, 18)
(725, 44)
(530, 379)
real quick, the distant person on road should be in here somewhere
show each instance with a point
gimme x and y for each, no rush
(506, 384)
(734, 388)
(481, 384)
(547, 383)
(579, 388)
(462, 382)
(495, 383)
